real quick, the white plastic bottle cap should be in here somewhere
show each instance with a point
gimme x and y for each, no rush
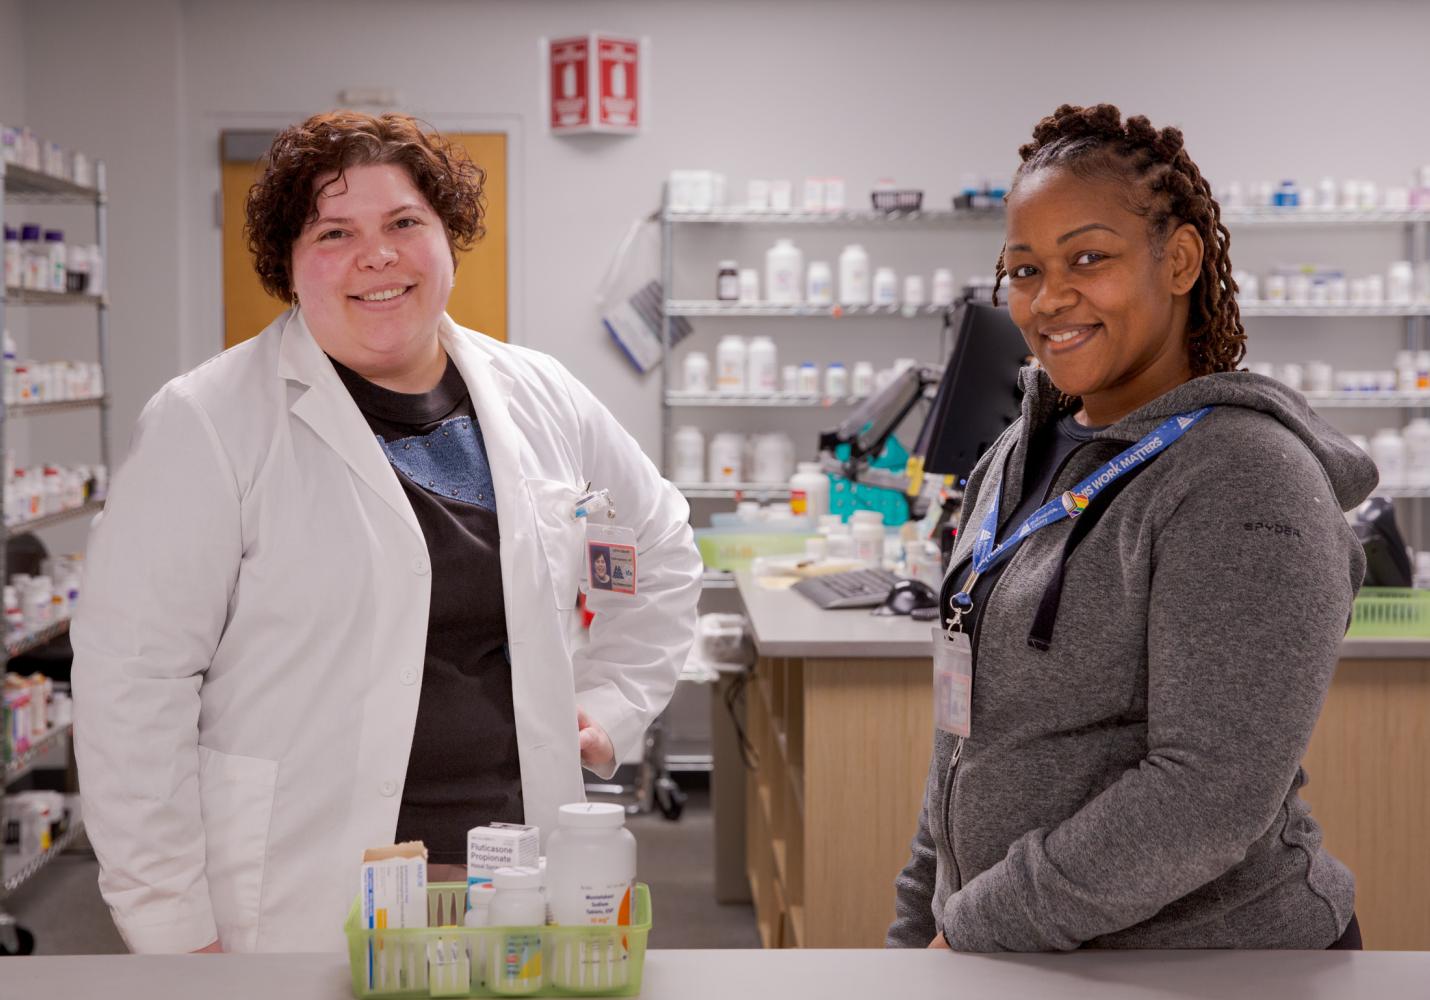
(480, 895)
(592, 814)
(517, 878)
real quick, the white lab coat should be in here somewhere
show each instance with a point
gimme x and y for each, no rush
(250, 641)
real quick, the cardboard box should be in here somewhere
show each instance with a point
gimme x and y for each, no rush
(392, 888)
(500, 845)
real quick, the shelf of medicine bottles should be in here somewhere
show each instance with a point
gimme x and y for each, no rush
(1249, 309)
(770, 310)
(781, 399)
(40, 409)
(31, 297)
(31, 524)
(28, 868)
(740, 216)
(1323, 217)
(24, 763)
(734, 491)
(34, 640)
(35, 186)
(1368, 400)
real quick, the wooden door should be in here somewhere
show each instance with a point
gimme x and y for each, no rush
(479, 295)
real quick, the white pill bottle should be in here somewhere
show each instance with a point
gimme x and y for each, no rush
(591, 866)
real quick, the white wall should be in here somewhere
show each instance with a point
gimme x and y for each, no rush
(922, 91)
(12, 62)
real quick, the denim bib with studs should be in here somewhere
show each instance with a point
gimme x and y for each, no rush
(450, 462)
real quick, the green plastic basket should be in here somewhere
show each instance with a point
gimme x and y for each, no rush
(574, 961)
(1391, 613)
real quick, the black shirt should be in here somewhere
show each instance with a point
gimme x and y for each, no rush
(463, 770)
(1048, 451)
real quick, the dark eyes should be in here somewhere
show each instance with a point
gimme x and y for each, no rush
(407, 222)
(1084, 259)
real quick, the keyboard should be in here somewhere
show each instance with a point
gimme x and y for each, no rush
(860, 588)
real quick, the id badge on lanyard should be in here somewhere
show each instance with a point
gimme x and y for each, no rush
(610, 549)
(952, 682)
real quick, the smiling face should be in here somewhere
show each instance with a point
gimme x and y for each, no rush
(373, 272)
(1104, 314)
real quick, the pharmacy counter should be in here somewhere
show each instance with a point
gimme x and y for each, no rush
(1385, 649)
(765, 975)
(839, 717)
(831, 808)
(786, 624)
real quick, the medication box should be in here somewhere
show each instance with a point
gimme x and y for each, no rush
(500, 845)
(392, 892)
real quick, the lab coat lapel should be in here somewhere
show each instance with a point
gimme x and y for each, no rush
(329, 410)
(509, 456)
(491, 392)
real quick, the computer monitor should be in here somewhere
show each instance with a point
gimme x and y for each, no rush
(979, 395)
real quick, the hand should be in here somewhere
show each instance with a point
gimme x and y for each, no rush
(212, 948)
(596, 748)
(939, 943)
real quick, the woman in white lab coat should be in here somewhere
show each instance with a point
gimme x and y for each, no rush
(330, 598)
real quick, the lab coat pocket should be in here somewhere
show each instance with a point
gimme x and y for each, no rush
(236, 796)
(562, 536)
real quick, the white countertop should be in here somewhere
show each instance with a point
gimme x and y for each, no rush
(1385, 649)
(782, 975)
(786, 624)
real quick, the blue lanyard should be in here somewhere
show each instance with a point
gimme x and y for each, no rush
(987, 554)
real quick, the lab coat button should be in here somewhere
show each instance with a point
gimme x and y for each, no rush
(409, 676)
(419, 566)
(389, 788)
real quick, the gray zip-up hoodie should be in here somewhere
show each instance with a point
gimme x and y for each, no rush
(1135, 784)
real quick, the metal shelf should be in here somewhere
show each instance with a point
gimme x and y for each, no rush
(1404, 493)
(35, 640)
(945, 217)
(715, 579)
(1368, 400)
(25, 762)
(933, 217)
(31, 867)
(88, 507)
(734, 491)
(40, 409)
(1251, 309)
(770, 310)
(744, 399)
(32, 186)
(1323, 217)
(31, 297)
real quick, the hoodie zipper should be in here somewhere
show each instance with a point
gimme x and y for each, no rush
(951, 777)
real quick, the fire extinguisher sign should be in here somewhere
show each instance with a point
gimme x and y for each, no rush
(570, 83)
(595, 83)
(618, 61)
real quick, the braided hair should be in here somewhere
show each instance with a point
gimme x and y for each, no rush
(1095, 143)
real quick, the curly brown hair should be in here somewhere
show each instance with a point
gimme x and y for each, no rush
(285, 197)
(1168, 190)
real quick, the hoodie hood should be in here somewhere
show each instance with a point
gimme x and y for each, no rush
(1350, 470)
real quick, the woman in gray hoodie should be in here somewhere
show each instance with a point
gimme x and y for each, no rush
(1128, 686)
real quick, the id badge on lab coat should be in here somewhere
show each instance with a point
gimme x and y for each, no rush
(952, 682)
(610, 559)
